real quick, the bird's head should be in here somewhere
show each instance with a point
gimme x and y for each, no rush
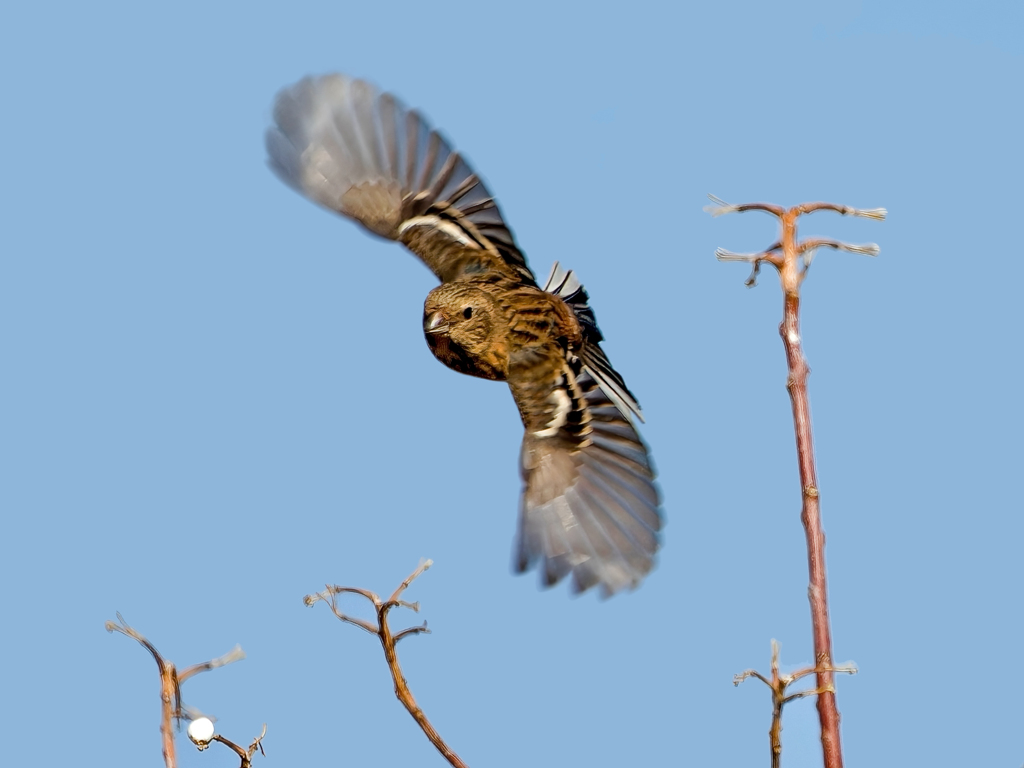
(466, 330)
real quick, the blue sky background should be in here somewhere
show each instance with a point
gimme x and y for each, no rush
(216, 397)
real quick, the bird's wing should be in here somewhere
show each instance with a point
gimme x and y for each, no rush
(363, 154)
(564, 284)
(589, 503)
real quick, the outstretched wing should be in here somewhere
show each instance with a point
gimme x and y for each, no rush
(361, 153)
(589, 505)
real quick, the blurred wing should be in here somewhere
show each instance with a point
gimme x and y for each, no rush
(589, 505)
(564, 284)
(358, 152)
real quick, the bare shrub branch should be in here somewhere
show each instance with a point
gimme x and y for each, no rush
(388, 640)
(172, 710)
(778, 684)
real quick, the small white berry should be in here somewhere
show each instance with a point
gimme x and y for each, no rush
(201, 731)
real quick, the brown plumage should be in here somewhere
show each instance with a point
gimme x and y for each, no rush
(589, 505)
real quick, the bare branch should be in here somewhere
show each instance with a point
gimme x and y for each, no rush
(737, 679)
(170, 692)
(420, 569)
(123, 627)
(329, 596)
(388, 640)
(245, 755)
(770, 255)
(868, 249)
(878, 214)
(171, 706)
(721, 208)
(235, 654)
(420, 630)
(778, 683)
(202, 734)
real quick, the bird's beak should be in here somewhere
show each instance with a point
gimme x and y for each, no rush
(435, 322)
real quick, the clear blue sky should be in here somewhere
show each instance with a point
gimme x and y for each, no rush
(216, 397)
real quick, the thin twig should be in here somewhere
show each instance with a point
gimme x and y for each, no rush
(388, 640)
(244, 754)
(235, 654)
(792, 265)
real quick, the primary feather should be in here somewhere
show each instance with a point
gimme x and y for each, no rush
(364, 155)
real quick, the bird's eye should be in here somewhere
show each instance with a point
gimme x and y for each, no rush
(467, 312)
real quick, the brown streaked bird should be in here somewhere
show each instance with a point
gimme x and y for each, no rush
(589, 505)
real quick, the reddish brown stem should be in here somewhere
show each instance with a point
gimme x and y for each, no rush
(405, 695)
(170, 692)
(788, 263)
(828, 713)
(168, 706)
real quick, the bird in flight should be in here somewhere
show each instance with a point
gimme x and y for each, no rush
(589, 505)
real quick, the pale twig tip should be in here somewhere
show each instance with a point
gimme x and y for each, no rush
(235, 654)
(867, 249)
(878, 214)
(723, 255)
(720, 207)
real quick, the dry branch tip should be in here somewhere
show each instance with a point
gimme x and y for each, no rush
(244, 754)
(878, 214)
(723, 255)
(420, 630)
(720, 207)
(867, 249)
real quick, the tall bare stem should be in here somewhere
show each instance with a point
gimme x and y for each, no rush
(792, 259)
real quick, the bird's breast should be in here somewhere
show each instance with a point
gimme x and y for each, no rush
(490, 362)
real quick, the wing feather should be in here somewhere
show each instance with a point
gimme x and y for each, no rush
(363, 154)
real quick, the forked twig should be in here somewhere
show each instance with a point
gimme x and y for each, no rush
(171, 707)
(792, 259)
(202, 734)
(388, 640)
(778, 684)
(783, 252)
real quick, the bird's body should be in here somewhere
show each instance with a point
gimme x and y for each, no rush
(589, 504)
